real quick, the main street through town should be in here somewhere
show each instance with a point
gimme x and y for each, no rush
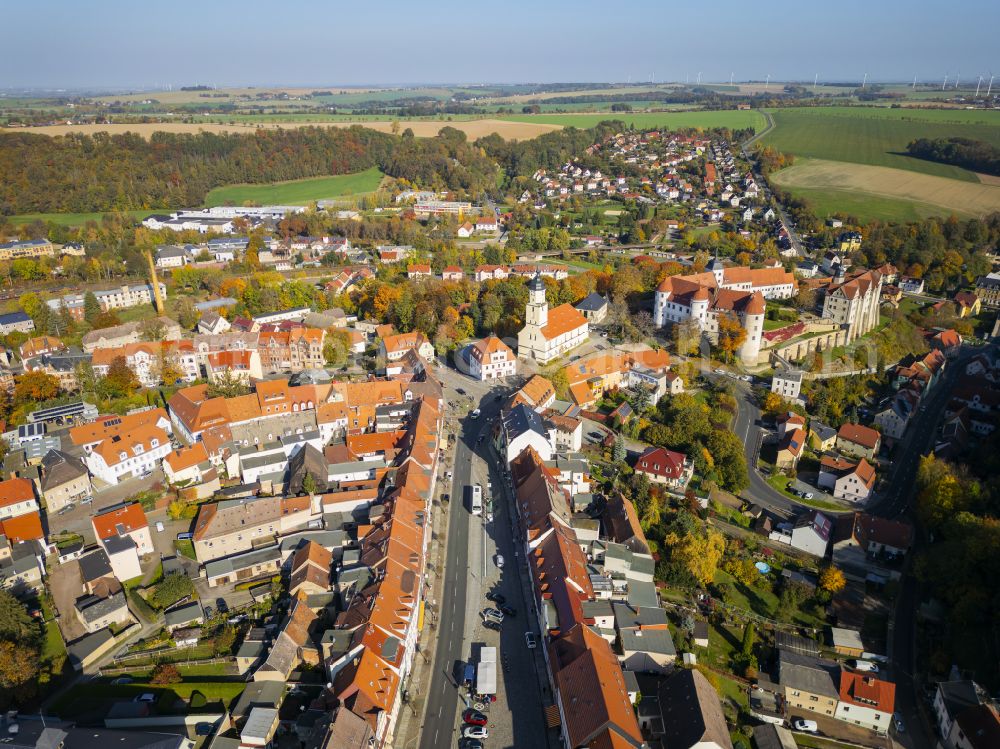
(471, 545)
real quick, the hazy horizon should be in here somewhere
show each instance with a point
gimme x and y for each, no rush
(122, 46)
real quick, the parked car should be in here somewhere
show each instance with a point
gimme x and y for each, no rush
(145, 697)
(159, 526)
(475, 732)
(475, 413)
(203, 729)
(807, 495)
(860, 665)
(529, 640)
(87, 500)
(508, 610)
(897, 720)
(185, 536)
(460, 391)
(805, 725)
(470, 744)
(474, 718)
(490, 624)
(122, 680)
(493, 614)
(497, 598)
(66, 508)
(500, 561)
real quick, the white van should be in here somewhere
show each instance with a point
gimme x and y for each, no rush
(476, 499)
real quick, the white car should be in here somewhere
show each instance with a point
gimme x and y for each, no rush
(159, 526)
(805, 725)
(475, 414)
(500, 561)
(529, 640)
(475, 732)
(860, 665)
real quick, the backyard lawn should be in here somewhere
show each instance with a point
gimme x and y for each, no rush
(92, 700)
(761, 600)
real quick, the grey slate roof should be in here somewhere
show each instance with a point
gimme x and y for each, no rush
(691, 711)
(229, 565)
(189, 612)
(94, 609)
(808, 674)
(520, 420)
(59, 467)
(592, 303)
(95, 565)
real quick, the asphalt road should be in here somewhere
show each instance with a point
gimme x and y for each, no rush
(441, 707)
(746, 429)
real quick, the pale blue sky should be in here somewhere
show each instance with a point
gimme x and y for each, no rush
(119, 43)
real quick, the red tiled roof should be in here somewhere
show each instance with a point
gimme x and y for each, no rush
(867, 691)
(27, 527)
(15, 491)
(859, 435)
(130, 517)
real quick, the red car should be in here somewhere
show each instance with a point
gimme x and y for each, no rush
(474, 718)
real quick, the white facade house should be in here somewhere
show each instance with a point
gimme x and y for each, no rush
(787, 384)
(130, 454)
(491, 359)
(521, 428)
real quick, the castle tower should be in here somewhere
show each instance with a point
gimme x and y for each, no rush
(717, 269)
(537, 311)
(753, 323)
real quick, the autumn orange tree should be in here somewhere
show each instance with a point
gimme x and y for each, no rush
(831, 579)
(731, 335)
(34, 387)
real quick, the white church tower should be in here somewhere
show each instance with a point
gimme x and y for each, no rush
(537, 311)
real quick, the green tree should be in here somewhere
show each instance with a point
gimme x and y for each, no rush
(749, 639)
(15, 624)
(171, 589)
(91, 307)
(309, 484)
(227, 385)
(225, 638)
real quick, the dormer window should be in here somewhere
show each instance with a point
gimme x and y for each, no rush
(155, 442)
(123, 456)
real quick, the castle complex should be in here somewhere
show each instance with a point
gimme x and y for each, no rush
(704, 297)
(852, 301)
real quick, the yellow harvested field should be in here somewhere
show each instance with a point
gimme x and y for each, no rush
(899, 184)
(421, 128)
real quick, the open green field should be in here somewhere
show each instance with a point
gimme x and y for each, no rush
(878, 136)
(852, 160)
(731, 118)
(867, 207)
(298, 191)
(76, 219)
